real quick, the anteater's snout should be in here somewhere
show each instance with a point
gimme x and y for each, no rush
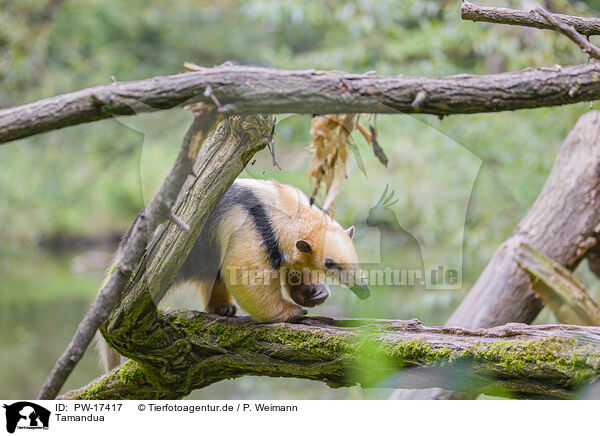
(361, 290)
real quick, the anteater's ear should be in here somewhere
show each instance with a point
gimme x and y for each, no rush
(350, 232)
(303, 246)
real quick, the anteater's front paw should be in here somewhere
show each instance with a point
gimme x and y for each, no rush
(224, 310)
(291, 313)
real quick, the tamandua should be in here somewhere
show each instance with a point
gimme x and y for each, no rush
(264, 234)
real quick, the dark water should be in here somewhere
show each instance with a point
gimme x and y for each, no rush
(32, 336)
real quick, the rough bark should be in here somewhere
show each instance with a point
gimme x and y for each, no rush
(135, 328)
(158, 210)
(473, 12)
(559, 290)
(200, 349)
(240, 90)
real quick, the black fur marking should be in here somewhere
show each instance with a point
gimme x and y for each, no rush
(203, 261)
(263, 225)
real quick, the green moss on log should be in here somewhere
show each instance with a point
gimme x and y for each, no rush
(194, 350)
(557, 357)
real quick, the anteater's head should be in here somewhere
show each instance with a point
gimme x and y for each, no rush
(329, 248)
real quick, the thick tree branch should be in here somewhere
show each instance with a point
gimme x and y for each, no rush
(558, 288)
(135, 327)
(473, 12)
(266, 90)
(516, 359)
(158, 210)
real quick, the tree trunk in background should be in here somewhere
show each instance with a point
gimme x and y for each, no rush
(563, 224)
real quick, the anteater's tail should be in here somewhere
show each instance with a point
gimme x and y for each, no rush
(109, 358)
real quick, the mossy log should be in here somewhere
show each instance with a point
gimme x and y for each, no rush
(198, 349)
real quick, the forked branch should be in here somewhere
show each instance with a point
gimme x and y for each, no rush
(569, 31)
(517, 17)
(573, 27)
(158, 210)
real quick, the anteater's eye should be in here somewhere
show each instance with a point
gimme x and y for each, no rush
(330, 264)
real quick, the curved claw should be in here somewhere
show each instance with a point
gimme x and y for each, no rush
(225, 310)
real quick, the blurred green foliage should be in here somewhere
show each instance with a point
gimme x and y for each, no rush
(92, 179)
(52, 182)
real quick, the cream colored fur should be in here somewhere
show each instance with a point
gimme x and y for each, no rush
(293, 219)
